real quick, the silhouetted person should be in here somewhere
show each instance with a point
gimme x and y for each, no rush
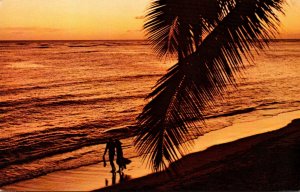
(110, 146)
(121, 177)
(120, 158)
(113, 179)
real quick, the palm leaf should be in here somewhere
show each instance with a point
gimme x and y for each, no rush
(174, 27)
(205, 68)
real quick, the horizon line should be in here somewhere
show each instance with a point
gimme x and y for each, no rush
(109, 39)
(74, 39)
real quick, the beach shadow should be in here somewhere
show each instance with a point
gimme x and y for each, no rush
(122, 178)
(113, 180)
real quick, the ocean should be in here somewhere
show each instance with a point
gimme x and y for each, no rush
(59, 100)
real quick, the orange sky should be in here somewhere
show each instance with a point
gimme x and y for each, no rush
(93, 19)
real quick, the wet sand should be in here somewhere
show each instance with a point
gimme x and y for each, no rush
(263, 162)
(209, 168)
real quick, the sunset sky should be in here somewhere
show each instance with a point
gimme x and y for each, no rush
(93, 19)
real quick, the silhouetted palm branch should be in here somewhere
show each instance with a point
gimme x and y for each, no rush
(210, 38)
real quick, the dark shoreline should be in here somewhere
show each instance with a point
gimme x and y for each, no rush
(264, 162)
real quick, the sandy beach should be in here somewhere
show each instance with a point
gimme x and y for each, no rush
(231, 153)
(192, 95)
(267, 161)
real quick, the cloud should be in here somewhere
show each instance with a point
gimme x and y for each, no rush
(139, 17)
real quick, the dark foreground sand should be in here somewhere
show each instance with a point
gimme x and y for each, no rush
(269, 161)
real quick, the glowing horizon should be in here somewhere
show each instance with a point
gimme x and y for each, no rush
(93, 20)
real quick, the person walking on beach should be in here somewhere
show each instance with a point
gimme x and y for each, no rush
(110, 147)
(121, 160)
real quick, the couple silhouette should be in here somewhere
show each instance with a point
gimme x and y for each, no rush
(113, 146)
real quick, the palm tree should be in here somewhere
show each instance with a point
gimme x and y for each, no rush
(211, 39)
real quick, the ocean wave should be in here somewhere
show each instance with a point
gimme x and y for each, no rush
(86, 45)
(58, 162)
(27, 147)
(124, 43)
(129, 77)
(43, 47)
(270, 103)
(263, 106)
(125, 78)
(89, 101)
(30, 101)
(63, 100)
(77, 52)
(125, 129)
(234, 112)
(21, 89)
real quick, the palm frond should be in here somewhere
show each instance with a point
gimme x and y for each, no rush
(173, 26)
(192, 84)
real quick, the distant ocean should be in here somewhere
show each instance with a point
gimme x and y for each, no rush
(60, 99)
